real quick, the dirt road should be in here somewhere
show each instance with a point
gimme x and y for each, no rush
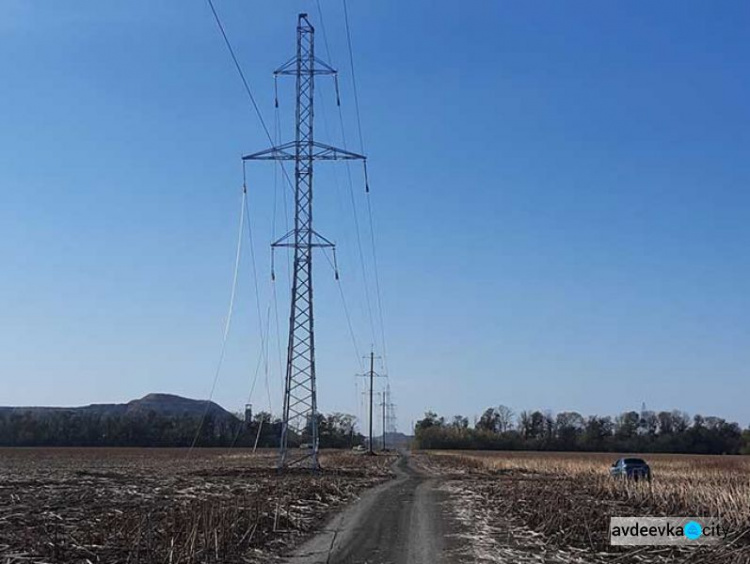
(399, 522)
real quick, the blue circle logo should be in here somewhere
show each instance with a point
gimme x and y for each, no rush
(693, 530)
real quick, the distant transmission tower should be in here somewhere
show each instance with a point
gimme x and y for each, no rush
(391, 410)
(371, 375)
(387, 406)
(300, 416)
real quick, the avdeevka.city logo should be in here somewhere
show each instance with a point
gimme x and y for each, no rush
(660, 531)
(693, 530)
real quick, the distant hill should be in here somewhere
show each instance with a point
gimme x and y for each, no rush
(153, 420)
(168, 405)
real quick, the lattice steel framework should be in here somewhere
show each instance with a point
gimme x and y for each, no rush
(300, 416)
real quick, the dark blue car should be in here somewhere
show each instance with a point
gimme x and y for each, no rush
(631, 468)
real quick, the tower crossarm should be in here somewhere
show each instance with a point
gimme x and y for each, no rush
(319, 68)
(319, 152)
(318, 241)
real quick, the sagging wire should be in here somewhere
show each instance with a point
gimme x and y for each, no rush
(263, 336)
(264, 331)
(277, 140)
(227, 324)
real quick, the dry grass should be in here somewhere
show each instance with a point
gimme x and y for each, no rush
(707, 486)
(569, 497)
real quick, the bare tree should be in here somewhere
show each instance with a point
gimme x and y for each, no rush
(504, 418)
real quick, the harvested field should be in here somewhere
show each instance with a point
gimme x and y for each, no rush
(163, 505)
(559, 504)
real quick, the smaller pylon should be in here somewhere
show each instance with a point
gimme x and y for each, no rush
(371, 375)
(390, 417)
(387, 406)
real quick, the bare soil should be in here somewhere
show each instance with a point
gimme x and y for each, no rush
(400, 522)
(168, 505)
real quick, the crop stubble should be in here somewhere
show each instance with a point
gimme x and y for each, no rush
(161, 505)
(558, 505)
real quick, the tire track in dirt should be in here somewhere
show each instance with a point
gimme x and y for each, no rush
(399, 522)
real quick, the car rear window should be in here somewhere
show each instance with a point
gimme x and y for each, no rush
(634, 461)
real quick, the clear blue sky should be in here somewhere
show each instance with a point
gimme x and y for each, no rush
(560, 193)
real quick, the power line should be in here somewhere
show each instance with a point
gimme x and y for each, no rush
(259, 114)
(248, 90)
(243, 212)
(351, 191)
(227, 323)
(377, 283)
(369, 204)
(253, 101)
(278, 334)
(252, 391)
(354, 76)
(352, 199)
(346, 309)
(239, 69)
(277, 141)
(263, 336)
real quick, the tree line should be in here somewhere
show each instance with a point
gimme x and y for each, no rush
(336, 430)
(152, 429)
(500, 428)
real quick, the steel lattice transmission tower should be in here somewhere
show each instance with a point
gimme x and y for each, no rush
(390, 410)
(300, 416)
